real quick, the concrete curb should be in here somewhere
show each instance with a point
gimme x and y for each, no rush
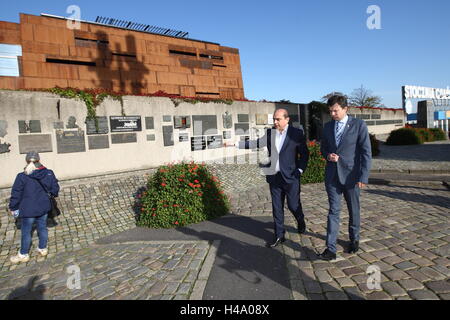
(203, 275)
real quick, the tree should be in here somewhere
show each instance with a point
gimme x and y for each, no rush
(363, 97)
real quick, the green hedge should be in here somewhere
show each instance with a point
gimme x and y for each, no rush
(408, 136)
(438, 134)
(404, 136)
(180, 194)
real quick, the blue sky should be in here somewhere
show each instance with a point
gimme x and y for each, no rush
(299, 50)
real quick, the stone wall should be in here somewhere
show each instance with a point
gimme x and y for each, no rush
(56, 128)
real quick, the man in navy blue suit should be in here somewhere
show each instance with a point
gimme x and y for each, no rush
(289, 156)
(346, 147)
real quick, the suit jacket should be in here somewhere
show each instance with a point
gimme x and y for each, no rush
(355, 153)
(294, 153)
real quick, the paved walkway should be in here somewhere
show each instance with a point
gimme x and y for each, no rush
(405, 234)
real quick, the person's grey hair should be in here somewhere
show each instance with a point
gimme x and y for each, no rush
(32, 156)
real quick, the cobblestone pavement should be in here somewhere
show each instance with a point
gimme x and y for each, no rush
(405, 232)
(152, 270)
(426, 157)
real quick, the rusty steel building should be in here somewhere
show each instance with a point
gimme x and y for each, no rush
(47, 51)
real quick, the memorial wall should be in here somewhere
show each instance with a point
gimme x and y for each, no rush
(146, 133)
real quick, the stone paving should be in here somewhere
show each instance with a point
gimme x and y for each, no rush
(162, 270)
(416, 158)
(405, 234)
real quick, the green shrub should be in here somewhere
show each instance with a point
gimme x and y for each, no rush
(181, 194)
(404, 136)
(438, 134)
(315, 172)
(425, 134)
(375, 145)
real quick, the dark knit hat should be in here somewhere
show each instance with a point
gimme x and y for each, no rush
(32, 155)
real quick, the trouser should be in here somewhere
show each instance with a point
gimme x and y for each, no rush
(351, 194)
(280, 190)
(27, 225)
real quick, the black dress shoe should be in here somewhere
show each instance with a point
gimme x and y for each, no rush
(353, 247)
(275, 243)
(327, 255)
(301, 227)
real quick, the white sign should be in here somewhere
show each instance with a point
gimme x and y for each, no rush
(414, 92)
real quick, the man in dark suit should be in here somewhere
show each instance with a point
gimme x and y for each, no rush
(288, 155)
(346, 147)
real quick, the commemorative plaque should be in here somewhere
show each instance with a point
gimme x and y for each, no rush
(227, 120)
(125, 123)
(35, 142)
(183, 137)
(151, 137)
(70, 141)
(149, 123)
(227, 134)
(241, 129)
(168, 136)
(181, 122)
(102, 126)
(35, 126)
(204, 124)
(98, 142)
(123, 138)
(198, 143)
(261, 119)
(23, 127)
(167, 118)
(243, 118)
(215, 142)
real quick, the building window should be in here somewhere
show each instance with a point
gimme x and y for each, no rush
(9, 63)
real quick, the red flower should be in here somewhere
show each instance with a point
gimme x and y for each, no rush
(153, 209)
(163, 184)
(175, 205)
(196, 181)
(165, 206)
(176, 222)
(200, 194)
(187, 210)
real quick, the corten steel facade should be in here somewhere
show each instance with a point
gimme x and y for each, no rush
(98, 56)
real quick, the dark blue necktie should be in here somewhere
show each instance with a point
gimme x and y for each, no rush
(339, 132)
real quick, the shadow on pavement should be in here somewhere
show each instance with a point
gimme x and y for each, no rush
(29, 291)
(436, 200)
(243, 268)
